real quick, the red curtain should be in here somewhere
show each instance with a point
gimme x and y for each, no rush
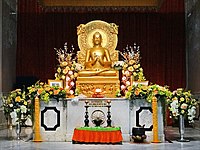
(160, 34)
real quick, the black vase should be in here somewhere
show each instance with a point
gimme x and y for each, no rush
(138, 134)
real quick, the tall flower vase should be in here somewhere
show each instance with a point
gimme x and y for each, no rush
(18, 130)
(182, 129)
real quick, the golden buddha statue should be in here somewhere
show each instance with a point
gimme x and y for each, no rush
(97, 61)
(95, 55)
(97, 41)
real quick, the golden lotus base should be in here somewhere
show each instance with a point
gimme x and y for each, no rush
(88, 85)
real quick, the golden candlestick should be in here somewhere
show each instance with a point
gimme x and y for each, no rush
(155, 120)
(37, 137)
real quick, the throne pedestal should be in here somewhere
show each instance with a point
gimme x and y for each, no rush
(108, 85)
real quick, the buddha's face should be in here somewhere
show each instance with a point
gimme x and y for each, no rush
(97, 38)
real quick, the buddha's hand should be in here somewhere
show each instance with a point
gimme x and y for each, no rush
(97, 59)
(100, 60)
(93, 62)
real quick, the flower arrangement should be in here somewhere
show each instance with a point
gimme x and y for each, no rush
(67, 65)
(182, 103)
(45, 92)
(137, 91)
(148, 92)
(67, 68)
(132, 67)
(160, 92)
(17, 106)
(19, 103)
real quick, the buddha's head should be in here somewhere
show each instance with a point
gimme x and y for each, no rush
(97, 38)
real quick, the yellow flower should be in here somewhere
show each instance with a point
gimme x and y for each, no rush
(63, 77)
(129, 88)
(145, 87)
(41, 83)
(18, 99)
(25, 102)
(40, 90)
(64, 63)
(47, 89)
(130, 68)
(174, 98)
(75, 74)
(68, 68)
(125, 66)
(65, 70)
(182, 99)
(59, 70)
(135, 66)
(187, 100)
(131, 62)
(72, 77)
(46, 95)
(134, 74)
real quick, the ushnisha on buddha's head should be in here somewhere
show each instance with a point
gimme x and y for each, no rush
(97, 38)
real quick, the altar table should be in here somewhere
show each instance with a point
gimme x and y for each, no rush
(97, 135)
(58, 119)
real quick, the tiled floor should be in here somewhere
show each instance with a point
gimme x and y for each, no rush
(8, 142)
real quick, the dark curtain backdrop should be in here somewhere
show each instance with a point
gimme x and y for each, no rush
(161, 36)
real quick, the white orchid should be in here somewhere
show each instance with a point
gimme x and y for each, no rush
(13, 115)
(23, 109)
(191, 113)
(174, 104)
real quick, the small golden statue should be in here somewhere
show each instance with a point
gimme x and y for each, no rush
(97, 42)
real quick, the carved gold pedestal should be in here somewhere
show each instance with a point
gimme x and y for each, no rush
(88, 85)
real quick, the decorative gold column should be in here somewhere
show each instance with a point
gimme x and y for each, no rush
(37, 137)
(155, 120)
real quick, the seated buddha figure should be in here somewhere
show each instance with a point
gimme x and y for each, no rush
(97, 41)
(97, 61)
